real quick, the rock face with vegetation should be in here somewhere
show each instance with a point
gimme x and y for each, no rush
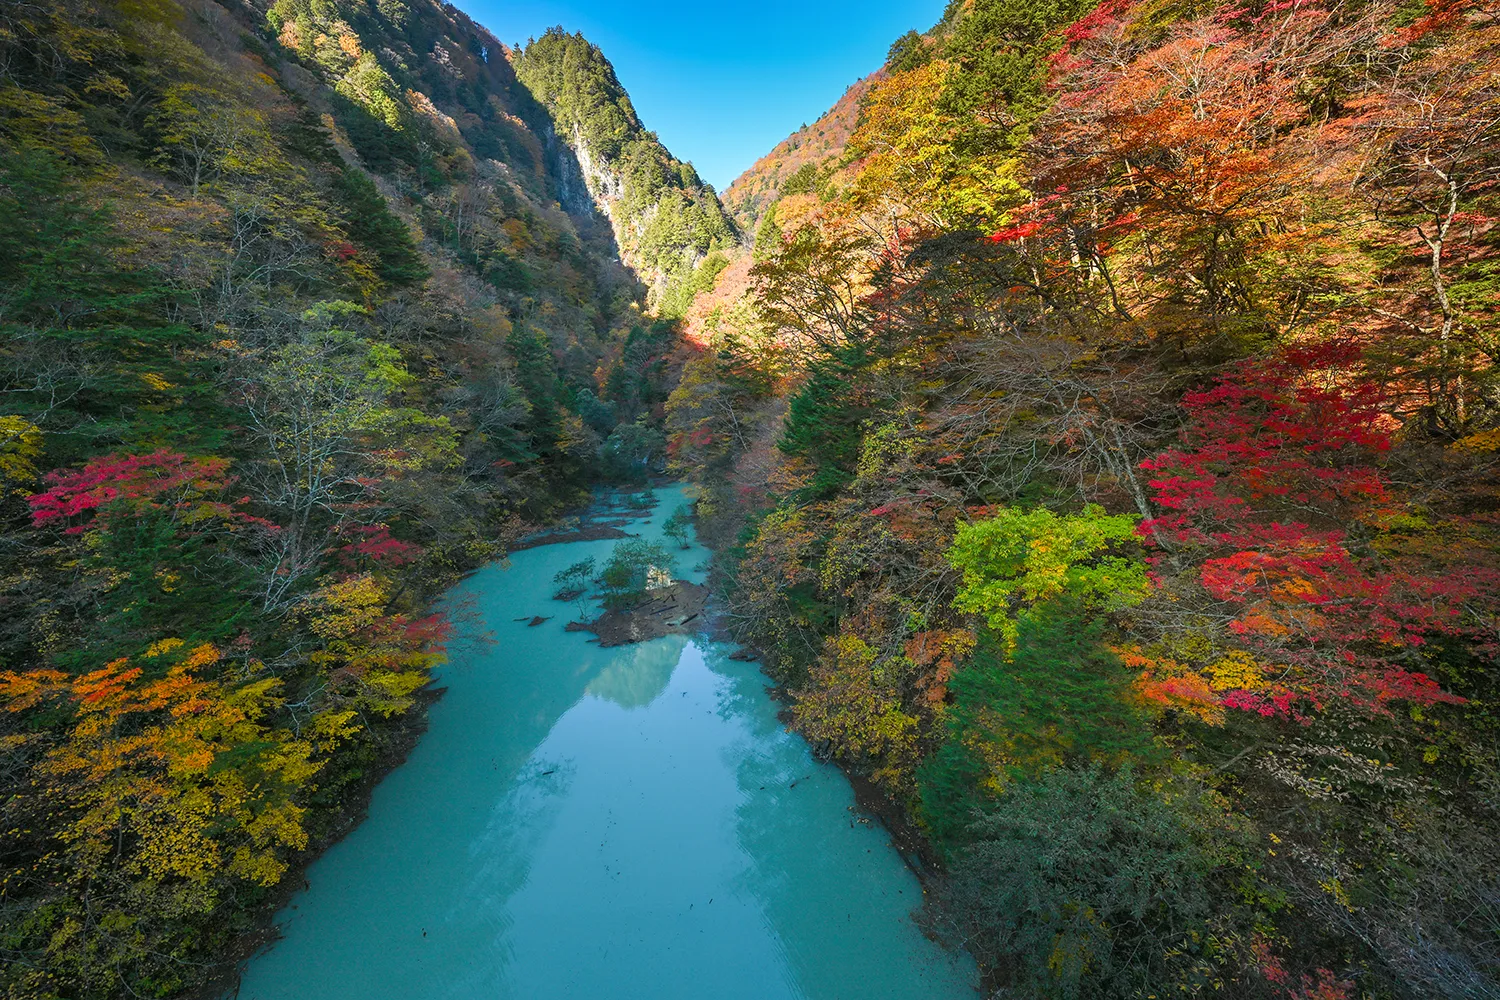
(669, 224)
(1104, 451)
(292, 332)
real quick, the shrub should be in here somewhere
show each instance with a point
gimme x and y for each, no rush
(572, 581)
(678, 525)
(1085, 884)
(635, 567)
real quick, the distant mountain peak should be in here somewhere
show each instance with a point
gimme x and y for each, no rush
(670, 226)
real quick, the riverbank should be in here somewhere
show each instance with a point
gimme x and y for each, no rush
(391, 744)
(605, 822)
(684, 608)
(906, 836)
(396, 738)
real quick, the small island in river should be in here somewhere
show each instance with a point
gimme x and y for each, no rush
(677, 608)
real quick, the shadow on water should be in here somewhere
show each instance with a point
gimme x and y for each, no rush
(838, 867)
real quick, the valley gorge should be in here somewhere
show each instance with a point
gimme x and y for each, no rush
(1034, 535)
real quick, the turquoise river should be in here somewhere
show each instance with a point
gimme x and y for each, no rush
(610, 824)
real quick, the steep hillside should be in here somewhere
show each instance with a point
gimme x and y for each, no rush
(1106, 459)
(806, 162)
(799, 161)
(669, 224)
(292, 332)
(781, 190)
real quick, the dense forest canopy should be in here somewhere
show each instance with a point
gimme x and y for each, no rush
(1097, 419)
(1102, 438)
(293, 330)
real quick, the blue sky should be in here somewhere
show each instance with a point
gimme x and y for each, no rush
(722, 83)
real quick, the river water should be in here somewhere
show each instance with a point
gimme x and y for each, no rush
(609, 824)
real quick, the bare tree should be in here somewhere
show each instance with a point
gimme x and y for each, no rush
(330, 440)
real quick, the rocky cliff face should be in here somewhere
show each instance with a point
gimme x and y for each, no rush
(582, 188)
(669, 224)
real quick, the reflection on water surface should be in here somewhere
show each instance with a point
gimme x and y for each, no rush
(605, 824)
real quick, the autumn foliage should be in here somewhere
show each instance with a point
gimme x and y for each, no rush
(1171, 420)
(292, 334)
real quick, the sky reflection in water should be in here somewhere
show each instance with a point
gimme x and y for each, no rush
(605, 824)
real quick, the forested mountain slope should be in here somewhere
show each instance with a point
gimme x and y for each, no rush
(799, 161)
(292, 331)
(1107, 459)
(669, 224)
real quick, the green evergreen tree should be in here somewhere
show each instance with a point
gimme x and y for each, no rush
(1087, 884)
(825, 422)
(907, 53)
(370, 223)
(1066, 701)
(536, 374)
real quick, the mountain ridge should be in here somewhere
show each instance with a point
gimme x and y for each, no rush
(667, 221)
(811, 148)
